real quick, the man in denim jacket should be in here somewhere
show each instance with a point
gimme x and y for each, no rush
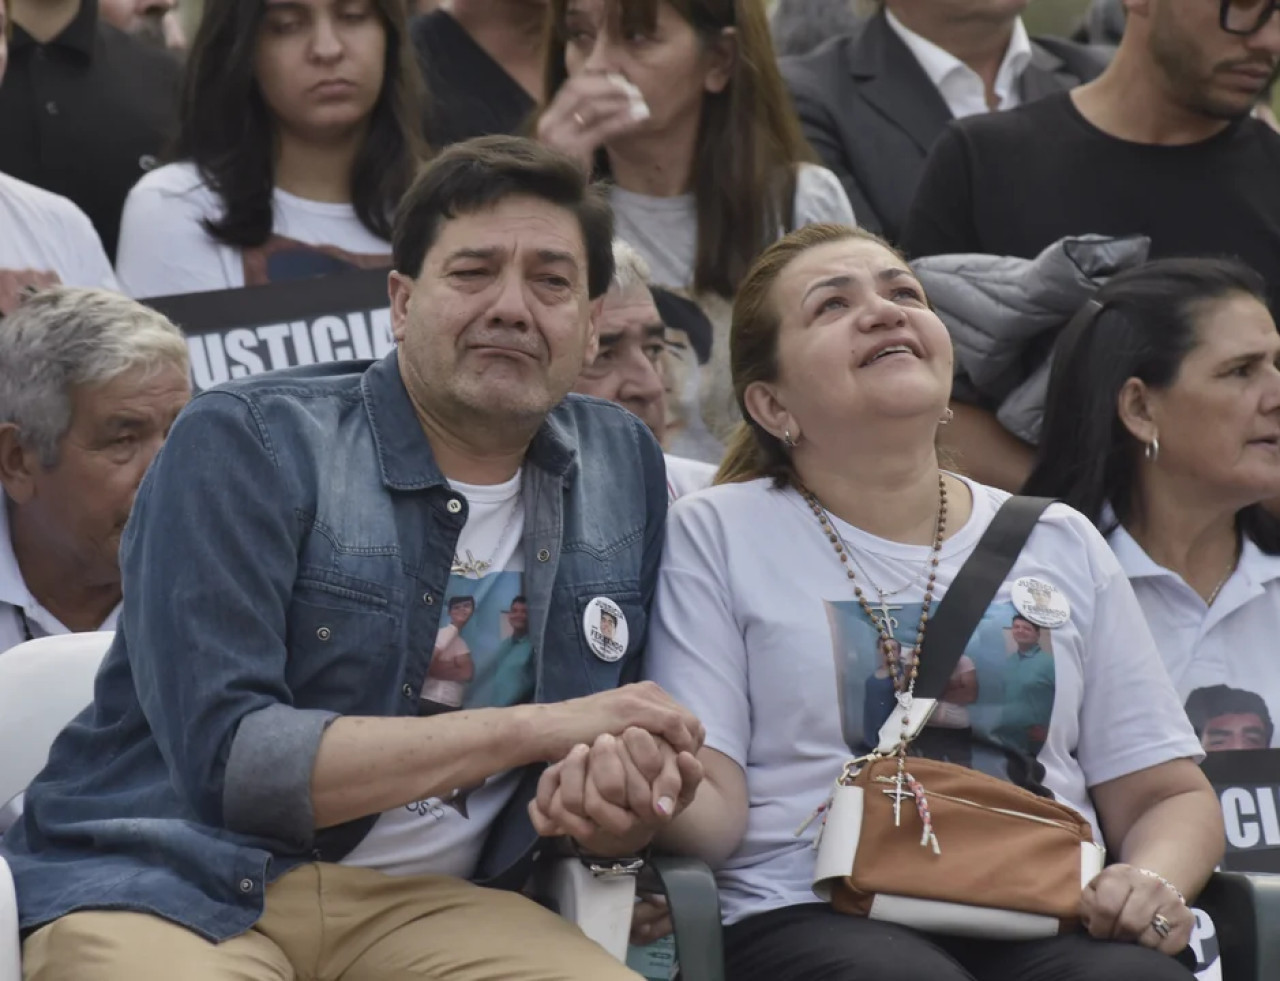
(272, 783)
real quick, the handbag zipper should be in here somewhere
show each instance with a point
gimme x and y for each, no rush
(993, 810)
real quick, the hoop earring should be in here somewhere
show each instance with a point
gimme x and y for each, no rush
(787, 441)
(946, 417)
(1153, 449)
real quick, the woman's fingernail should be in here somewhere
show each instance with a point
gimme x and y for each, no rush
(666, 805)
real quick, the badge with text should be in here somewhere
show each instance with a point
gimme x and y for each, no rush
(605, 628)
(1040, 602)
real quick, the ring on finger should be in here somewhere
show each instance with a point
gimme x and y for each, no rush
(577, 118)
(1161, 925)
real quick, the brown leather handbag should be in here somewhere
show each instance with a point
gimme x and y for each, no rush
(941, 847)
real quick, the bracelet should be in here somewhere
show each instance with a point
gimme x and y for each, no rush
(1166, 883)
(602, 867)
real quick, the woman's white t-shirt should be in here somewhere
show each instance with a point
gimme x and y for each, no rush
(756, 630)
(665, 230)
(164, 248)
(1231, 644)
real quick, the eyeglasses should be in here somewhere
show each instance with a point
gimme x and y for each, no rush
(1245, 17)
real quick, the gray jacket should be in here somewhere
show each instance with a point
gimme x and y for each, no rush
(1004, 314)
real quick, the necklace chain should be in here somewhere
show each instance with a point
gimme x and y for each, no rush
(882, 593)
(474, 568)
(904, 676)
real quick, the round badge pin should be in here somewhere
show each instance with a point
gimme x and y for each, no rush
(605, 629)
(1041, 602)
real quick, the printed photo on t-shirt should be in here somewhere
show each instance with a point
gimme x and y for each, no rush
(1227, 718)
(281, 259)
(994, 714)
(483, 657)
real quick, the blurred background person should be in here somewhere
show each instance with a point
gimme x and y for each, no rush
(46, 239)
(799, 26)
(483, 62)
(874, 100)
(86, 109)
(301, 129)
(1161, 144)
(680, 104)
(629, 366)
(90, 382)
(154, 21)
(1163, 426)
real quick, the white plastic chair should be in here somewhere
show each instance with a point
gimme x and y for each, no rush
(45, 683)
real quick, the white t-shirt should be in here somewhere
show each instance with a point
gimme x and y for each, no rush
(1231, 644)
(47, 233)
(684, 476)
(165, 250)
(665, 230)
(756, 630)
(483, 658)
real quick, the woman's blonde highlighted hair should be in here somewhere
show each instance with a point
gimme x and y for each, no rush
(753, 350)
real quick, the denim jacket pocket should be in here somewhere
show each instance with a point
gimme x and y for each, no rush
(341, 637)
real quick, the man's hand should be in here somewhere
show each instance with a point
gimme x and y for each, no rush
(15, 284)
(563, 725)
(612, 797)
(1122, 904)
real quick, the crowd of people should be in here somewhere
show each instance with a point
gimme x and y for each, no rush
(723, 331)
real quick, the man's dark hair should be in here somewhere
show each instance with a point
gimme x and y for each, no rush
(459, 600)
(519, 599)
(229, 133)
(1206, 704)
(606, 615)
(475, 175)
(1019, 616)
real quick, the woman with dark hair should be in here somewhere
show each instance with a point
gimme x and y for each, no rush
(680, 104)
(1162, 425)
(300, 132)
(789, 589)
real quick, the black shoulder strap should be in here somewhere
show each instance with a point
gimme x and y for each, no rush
(949, 630)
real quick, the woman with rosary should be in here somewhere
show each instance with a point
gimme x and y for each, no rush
(830, 543)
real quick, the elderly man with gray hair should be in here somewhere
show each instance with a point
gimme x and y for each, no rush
(632, 361)
(90, 382)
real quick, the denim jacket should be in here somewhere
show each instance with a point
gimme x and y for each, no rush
(284, 565)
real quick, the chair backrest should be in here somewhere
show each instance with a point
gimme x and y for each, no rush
(44, 684)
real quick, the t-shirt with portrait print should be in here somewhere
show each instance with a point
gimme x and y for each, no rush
(482, 658)
(757, 631)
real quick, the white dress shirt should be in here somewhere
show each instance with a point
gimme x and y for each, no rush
(1229, 643)
(21, 616)
(959, 85)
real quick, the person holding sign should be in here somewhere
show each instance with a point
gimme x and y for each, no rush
(834, 545)
(266, 798)
(1162, 425)
(301, 129)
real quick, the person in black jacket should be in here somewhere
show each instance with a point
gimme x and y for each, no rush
(873, 101)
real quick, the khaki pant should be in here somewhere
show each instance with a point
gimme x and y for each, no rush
(327, 922)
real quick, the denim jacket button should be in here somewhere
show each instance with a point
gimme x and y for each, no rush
(544, 555)
(454, 505)
(324, 633)
(408, 691)
(246, 885)
(428, 599)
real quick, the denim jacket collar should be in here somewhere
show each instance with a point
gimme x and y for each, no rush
(404, 452)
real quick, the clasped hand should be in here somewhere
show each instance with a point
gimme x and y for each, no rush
(614, 795)
(1123, 903)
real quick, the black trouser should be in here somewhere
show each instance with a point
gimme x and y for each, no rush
(815, 943)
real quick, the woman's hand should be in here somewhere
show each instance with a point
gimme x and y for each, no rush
(650, 920)
(1128, 905)
(589, 110)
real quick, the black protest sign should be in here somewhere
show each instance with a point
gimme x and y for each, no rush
(1248, 786)
(235, 333)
